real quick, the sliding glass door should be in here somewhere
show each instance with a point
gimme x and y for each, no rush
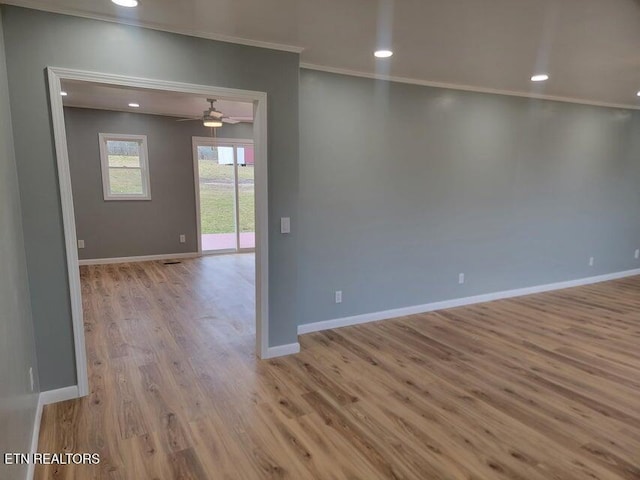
(225, 194)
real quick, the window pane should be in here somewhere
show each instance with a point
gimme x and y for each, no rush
(246, 197)
(123, 153)
(125, 181)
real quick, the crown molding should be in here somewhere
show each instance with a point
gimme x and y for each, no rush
(46, 7)
(465, 88)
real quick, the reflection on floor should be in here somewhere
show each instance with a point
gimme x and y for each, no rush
(226, 241)
(539, 387)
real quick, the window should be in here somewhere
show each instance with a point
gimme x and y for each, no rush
(125, 167)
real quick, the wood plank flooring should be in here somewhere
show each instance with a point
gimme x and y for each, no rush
(537, 388)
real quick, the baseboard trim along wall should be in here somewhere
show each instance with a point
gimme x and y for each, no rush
(457, 302)
(47, 398)
(282, 350)
(142, 258)
(59, 395)
(35, 435)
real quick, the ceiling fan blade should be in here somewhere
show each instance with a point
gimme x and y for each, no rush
(189, 119)
(242, 119)
(230, 121)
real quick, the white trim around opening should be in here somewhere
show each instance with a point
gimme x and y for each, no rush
(259, 99)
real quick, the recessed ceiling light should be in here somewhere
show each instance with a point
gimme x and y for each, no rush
(540, 78)
(64, 94)
(638, 94)
(126, 3)
(134, 105)
(383, 53)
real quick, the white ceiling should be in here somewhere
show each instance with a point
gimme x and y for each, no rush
(103, 97)
(590, 48)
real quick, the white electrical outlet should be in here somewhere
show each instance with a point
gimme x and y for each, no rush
(461, 278)
(80, 243)
(31, 377)
(338, 296)
(591, 261)
(637, 254)
(183, 238)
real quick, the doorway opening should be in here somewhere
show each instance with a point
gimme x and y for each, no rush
(129, 167)
(224, 170)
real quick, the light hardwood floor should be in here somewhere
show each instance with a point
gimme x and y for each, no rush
(537, 388)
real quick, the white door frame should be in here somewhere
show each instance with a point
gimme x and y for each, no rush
(215, 142)
(259, 100)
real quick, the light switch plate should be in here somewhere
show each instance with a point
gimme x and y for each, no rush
(285, 225)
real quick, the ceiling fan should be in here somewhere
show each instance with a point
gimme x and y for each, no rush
(212, 117)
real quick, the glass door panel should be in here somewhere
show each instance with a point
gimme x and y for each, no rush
(217, 177)
(246, 196)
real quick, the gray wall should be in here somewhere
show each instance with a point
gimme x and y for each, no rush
(35, 40)
(17, 346)
(130, 228)
(403, 187)
(238, 130)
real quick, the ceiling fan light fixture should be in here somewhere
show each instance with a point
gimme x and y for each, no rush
(212, 122)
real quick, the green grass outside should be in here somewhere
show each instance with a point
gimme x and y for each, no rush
(210, 170)
(216, 192)
(124, 181)
(216, 207)
(123, 161)
(216, 201)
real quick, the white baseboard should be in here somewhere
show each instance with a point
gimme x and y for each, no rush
(457, 302)
(282, 350)
(35, 435)
(46, 398)
(142, 258)
(59, 395)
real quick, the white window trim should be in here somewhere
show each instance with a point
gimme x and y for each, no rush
(144, 166)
